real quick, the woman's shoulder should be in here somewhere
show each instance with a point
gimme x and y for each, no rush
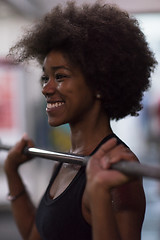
(129, 196)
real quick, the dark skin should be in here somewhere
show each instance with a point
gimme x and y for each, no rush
(109, 202)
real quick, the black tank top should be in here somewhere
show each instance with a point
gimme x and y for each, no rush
(61, 218)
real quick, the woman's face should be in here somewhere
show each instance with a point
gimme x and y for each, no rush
(69, 99)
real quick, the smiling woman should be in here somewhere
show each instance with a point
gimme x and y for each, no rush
(96, 66)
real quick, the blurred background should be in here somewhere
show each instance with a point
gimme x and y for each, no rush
(22, 109)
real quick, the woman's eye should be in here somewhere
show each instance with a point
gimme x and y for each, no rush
(60, 77)
(44, 80)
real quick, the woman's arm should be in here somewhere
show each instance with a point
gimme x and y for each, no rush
(22, 207)
(113, 217)
(111, 197)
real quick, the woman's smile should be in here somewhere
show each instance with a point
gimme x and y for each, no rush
(52, 106)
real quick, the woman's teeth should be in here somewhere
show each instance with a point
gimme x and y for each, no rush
(54, 105)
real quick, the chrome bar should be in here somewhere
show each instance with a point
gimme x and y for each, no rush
(134, 169)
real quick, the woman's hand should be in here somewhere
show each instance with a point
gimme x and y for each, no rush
(16, 157)
(98, 170)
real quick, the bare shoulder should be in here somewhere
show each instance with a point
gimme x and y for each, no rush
(129, 207)
(129, 196)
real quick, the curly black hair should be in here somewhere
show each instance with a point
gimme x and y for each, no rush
(105, 42)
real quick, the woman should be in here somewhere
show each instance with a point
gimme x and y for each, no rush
(96, 65)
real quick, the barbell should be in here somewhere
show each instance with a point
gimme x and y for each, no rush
(134, 169)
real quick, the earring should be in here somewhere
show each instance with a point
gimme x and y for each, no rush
(98, 96)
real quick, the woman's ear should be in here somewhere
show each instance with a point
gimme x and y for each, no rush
(98, 95)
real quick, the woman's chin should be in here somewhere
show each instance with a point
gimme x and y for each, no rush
(55, 123)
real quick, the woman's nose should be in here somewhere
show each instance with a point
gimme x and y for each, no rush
(49, 87)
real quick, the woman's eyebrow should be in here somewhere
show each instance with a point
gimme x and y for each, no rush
(55, 68)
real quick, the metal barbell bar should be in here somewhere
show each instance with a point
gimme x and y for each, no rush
(133, 169)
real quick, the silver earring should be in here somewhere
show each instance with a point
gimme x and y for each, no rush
(98, 95)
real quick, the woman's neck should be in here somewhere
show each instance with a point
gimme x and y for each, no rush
(85, 137)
